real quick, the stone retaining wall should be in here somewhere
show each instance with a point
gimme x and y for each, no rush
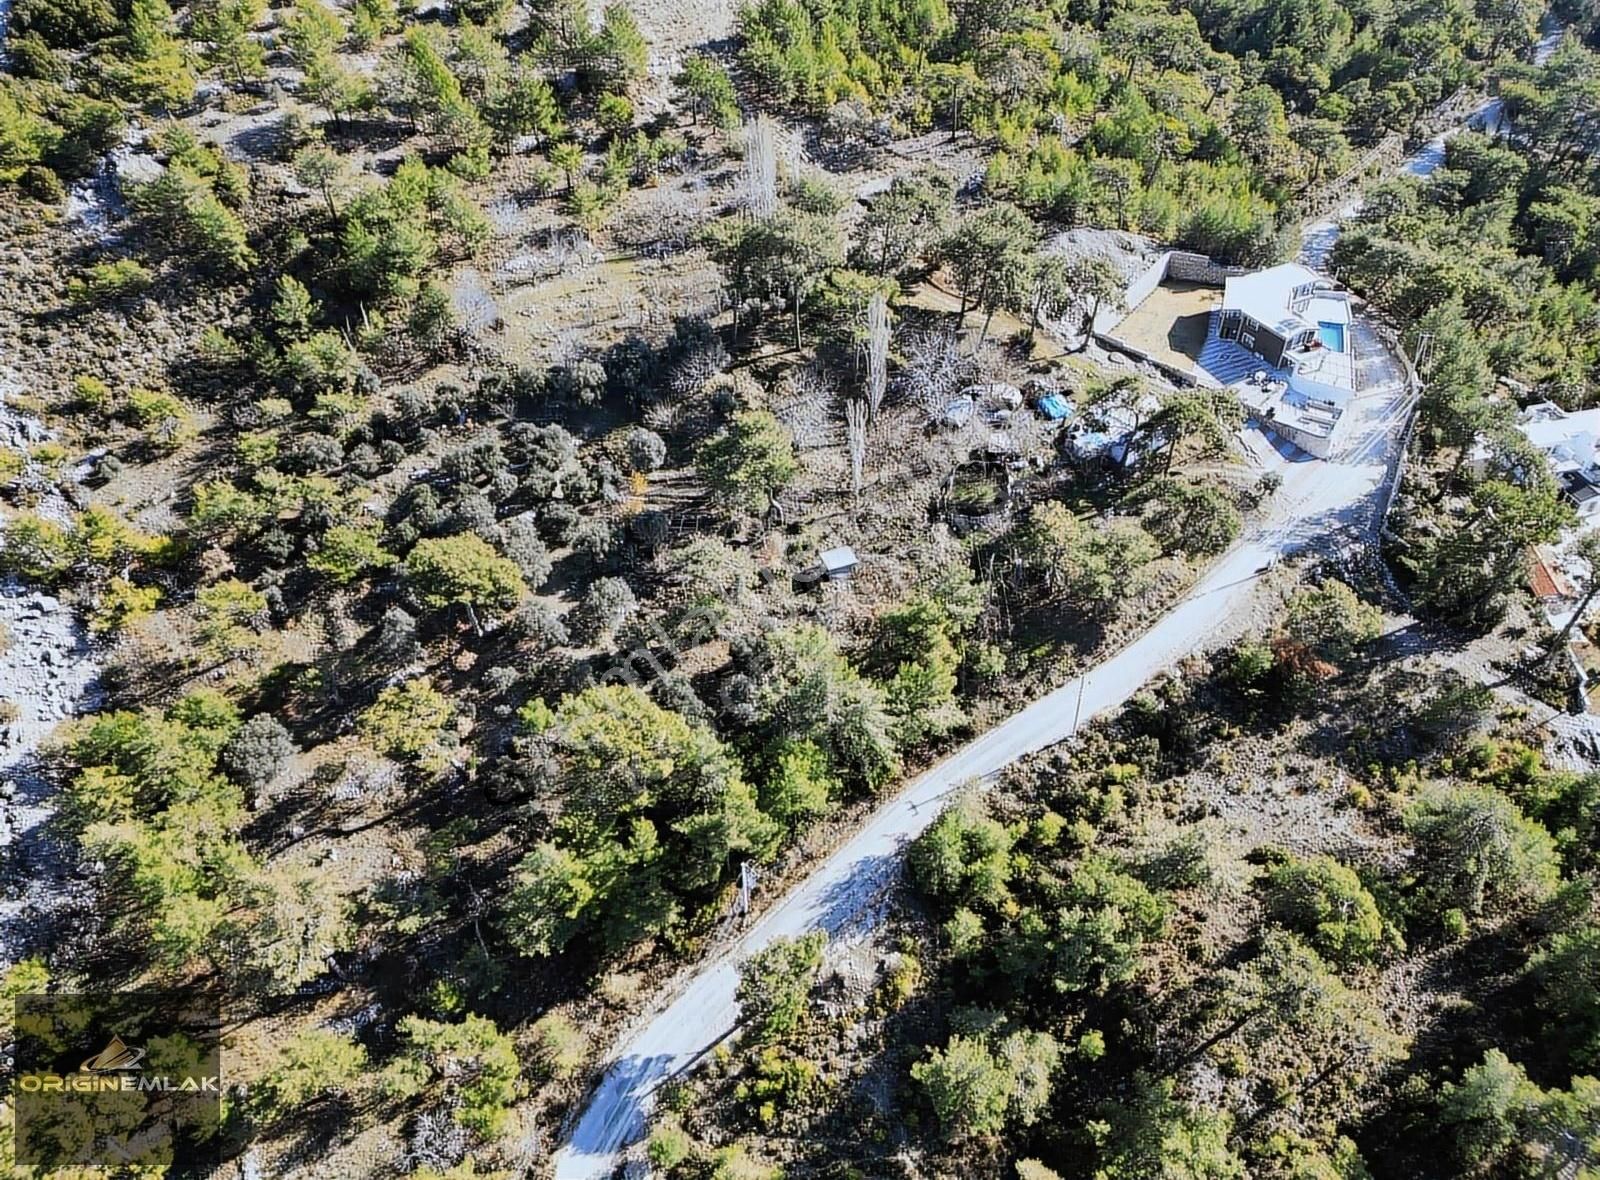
(1184, 267)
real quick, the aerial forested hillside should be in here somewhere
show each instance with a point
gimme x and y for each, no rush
(428, 422)
(1303, 909)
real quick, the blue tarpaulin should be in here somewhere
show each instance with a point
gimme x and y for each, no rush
(1055, 407)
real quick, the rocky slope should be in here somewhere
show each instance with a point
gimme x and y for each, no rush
(47, 673)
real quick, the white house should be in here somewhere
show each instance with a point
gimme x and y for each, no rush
(1569, 442)
(1567, 439)
(1299, 323)
(1285, 314)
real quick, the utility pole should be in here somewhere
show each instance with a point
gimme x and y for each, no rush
(1078, 712)
(747, 884)
(1424, 351)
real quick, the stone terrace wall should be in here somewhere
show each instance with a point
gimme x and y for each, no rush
(1184, 267)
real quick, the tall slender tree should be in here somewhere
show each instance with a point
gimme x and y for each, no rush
(877, 351)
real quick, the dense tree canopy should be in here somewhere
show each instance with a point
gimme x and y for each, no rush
(652, 809)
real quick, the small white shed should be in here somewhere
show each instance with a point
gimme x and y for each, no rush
(839, 564)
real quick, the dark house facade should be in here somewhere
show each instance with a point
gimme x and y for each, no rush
(1282, 313)
(1251, 335)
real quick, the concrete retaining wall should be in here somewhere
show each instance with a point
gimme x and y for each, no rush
(1140, 288)
(1317, 445)
(1179, 265)
(1116, 344)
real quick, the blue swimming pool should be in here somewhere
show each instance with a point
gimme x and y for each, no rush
(1332, 335)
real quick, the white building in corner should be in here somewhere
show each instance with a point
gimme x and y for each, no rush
(1570, 444)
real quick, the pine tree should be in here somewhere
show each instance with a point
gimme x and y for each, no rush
(315, 34)
(151, 68)
(439, 105)
(225, 26)
(708, 91)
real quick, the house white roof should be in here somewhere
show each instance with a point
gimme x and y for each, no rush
(1285, 298)
(1569, 438)
(842, 558)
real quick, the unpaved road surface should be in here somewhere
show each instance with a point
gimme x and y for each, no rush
(1318, 501)
(1319, 237)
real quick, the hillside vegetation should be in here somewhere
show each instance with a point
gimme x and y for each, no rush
(435, 416)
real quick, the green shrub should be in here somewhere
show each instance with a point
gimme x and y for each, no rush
(105, 282)
(1325, 901)
(670, 1145)
(310, 1066)
(408, 722)
(780, 1080)
(473, 1062)
(615, 113)
(558, 1045)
